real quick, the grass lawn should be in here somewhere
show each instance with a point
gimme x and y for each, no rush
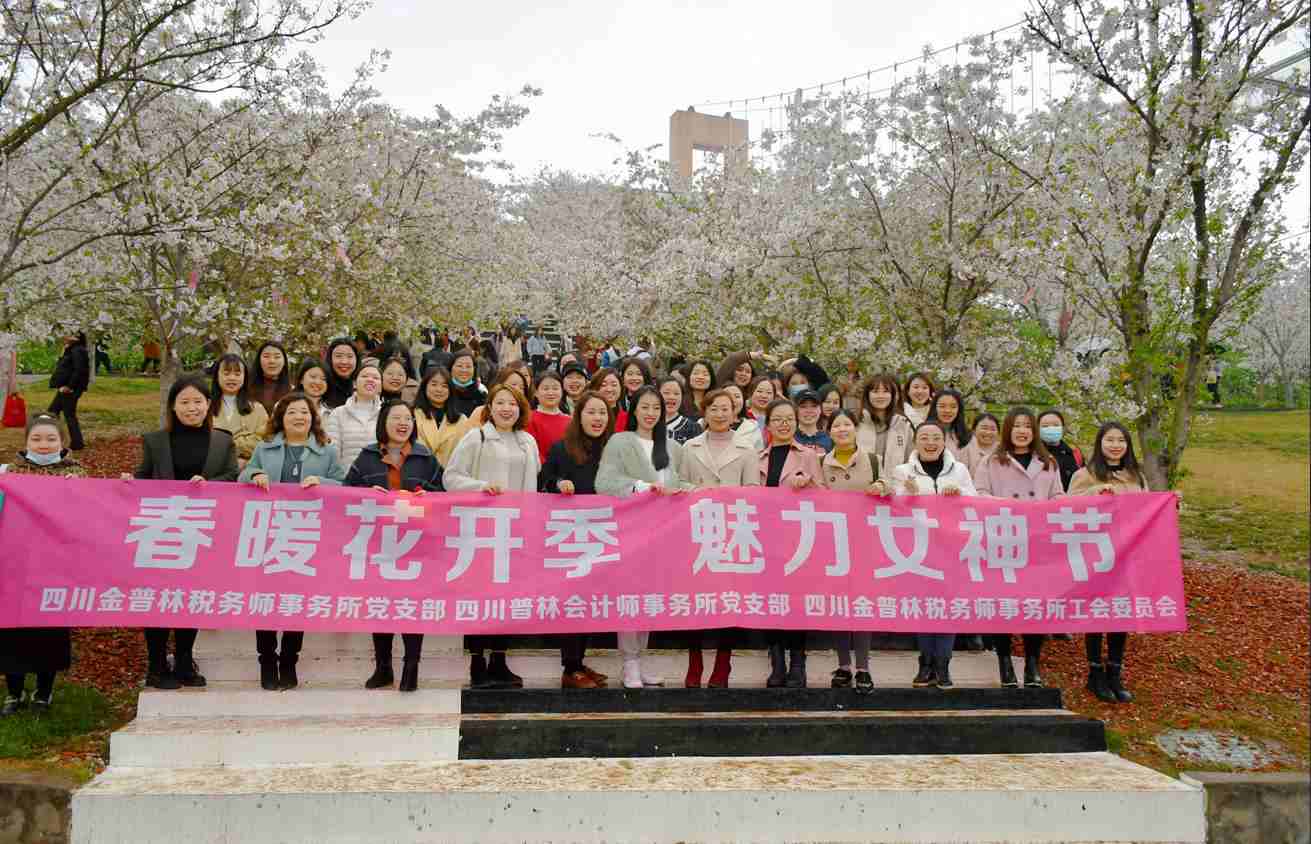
(74, 731)
(114, 406)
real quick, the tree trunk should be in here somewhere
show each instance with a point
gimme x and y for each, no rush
(1288, 393)
(170, 368)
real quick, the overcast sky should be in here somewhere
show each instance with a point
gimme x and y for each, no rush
(621, 67)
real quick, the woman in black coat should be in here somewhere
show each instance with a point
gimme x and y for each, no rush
(570, 469)
(396, 462)
(70, 380)
(467, 391)
(187, 449)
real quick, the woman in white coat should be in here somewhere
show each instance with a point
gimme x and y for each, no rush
(500, 456)
(642, 459)
(932, 470)
(354, 425)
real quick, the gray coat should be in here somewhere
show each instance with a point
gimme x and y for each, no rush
(624, 462)
(157, 458)
(319, 461)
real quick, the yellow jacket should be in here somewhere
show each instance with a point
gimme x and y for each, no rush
(441, 437)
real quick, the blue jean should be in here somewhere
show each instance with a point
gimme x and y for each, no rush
(936, 647)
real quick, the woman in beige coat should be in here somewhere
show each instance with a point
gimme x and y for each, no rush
(232, 409)
(882, 430)
(713, 459)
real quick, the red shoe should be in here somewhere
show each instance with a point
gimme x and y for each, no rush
(723, 667)
(694, 670)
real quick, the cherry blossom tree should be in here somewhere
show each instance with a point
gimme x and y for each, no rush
(1277, 338)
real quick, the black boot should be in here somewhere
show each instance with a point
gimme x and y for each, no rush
(409, 676)
(926, 676)
(796, 676)
(287, 678)
(1115, 683)
(478, 672)
(268, 672)
(186, 671)
(499, 674)
(159, 677)
(1097, 683)
(942, 672)
(778, 668)
(382, 674)
(1006, 669)
(1032, 660)
(974, 642)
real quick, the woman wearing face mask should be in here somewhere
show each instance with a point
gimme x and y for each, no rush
(342, 362)
(641, 459)
(570, 469)
(439, 424)
(497, 457)
(813, 376)
(849, 467)
(983, 442)
(1021, 469)
(312, 380)
(548, 422)
(607, 385)
(574, 378)
(270, 375)
(297, 452)
(788, 464)
(1113, 470)
(948, 408)
(187, 449)
(1051, 429)
(634, 374)
(679, 426)
(700, 380)
(354, 425)
(396, 462)
(918, 393)
(932, 470)
(717, 458)
(809, 432)
(830, 402)
(467, 392)
(883, 430)
(43, 651)
(233, 410)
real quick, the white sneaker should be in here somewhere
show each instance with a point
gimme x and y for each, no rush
(632, 674)
(652, 679)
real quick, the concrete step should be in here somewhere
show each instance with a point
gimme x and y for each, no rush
(248, 700)
(1077, 797)
(673, 699)
(774, 733)
(240, 644)
(349, 740)
(542, 668)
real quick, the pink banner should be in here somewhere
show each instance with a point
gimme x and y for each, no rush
(86, 553)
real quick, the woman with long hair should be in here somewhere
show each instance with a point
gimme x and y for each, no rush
(549, 421)
(1021, 469)
(354, 425)
(232, 409)
(570, 469)
(700, 380)
(312, 380)
(296, 452)
(270, 374)
(948, 407)
(932, 470)
(831, 401)
(1052, 431)
(394, 377)
(918, 394)
(634, 374)
(342, 360)
(641, 459)
(884, 430)
(467, 391)
(606, 383)
(439, 424)
(396, 462)
(984, 439)
(679, 425)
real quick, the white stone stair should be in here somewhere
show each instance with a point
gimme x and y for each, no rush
(1095, 797)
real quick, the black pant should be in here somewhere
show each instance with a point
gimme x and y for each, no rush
(184, 642)
(66, 403)
(147, 363)
(266, 644)
(103, 357)
(572, 649)
(1115, 642)
(478, 644)
(1215, 392)
(382, 642)
(793, 640)
(45, 684)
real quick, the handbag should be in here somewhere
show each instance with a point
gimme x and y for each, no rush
(15, 415)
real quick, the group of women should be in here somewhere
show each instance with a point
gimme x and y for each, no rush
(619, 431)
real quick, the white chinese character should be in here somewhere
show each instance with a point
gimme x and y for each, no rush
(653, 605)
(779, 604)
(404, 609)
(862, 607)
(111, 600)
(1142, 607)
(1166, 607)
(140, 600)
(815, 605)
(469, 542)
(171, 531)
(910, 607)
(83, 598)
(575, 607)
(521, 609)
(53, 599)
(731, 601)
(1002, 540)
(279, 535)
(1092, 521)
(887, 606)
(1055, 608)
(548, 607)
(171, 600)
(232, 603)
(721, 541)
(1122, 607)
(395, 543)
(320, 606)
(348, 606)
(376, 607)
(960, 609)
(1008, 608)
(1033, 609)
(260, 603)
(432, 609)
(584, 534)
(1100, 608)
(912, 563)
(494, 609)
(201, 601)
(705, 603)
(680, 604)
(935, 608)
(985, 608)
(466, 610)
(809, 518)
(755, 603)
(601, 605)
(1076, 608)
(628, 606)
(839, 606)
(290, 604)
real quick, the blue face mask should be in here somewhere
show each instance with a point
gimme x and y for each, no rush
(43, 459)
(457, 382)
(1051, 434)
(795, 389)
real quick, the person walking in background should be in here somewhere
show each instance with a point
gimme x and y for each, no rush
(70, 380)
(102, 356)
(151, 355)
(539, 351)
(1213, 381)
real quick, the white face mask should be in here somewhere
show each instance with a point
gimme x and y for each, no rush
(43, 459)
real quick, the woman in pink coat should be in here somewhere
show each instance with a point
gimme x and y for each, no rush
(1021, 469)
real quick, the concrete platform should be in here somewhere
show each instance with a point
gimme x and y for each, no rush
(1093, 797)
(235, 700)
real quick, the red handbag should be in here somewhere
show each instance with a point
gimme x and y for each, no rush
(15, 411)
